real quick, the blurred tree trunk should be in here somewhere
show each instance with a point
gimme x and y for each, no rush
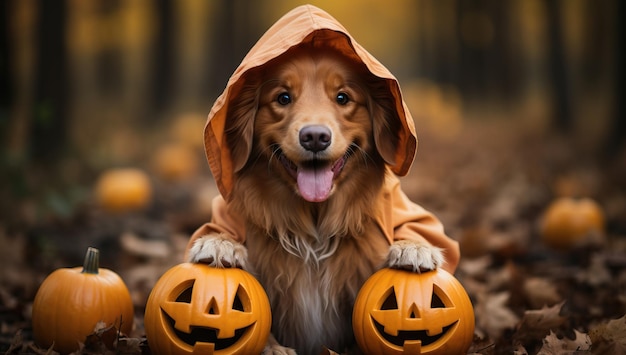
(505, 54)
(436, 62)
(48, 129)
(561, 90)
(489, 69)
(6, 94)
(617, 133)
(18, 78)
(234, 32)
(224, 42)
(164, 55)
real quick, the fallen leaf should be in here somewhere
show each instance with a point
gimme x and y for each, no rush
(494, 317)
(476, 267)
(541, 292)
(552, 345)
(536, 324)
(520, 350)
(39, 351)
(129, 346)
(610, 338)
(135, 245)
(597, 274)
(16, 343)
(103, 337)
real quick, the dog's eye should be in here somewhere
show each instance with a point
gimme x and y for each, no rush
(342, 98)
(283, 98)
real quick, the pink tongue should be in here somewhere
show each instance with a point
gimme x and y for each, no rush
(315, 184)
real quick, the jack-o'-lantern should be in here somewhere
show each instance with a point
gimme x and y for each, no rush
(195, 308)
(402, 312)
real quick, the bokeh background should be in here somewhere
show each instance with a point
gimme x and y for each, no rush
(91, 84)
(516, 102)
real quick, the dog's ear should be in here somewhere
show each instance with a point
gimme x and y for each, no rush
(239, 128)
(385, 122)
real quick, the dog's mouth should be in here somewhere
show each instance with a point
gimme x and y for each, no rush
(315, 178)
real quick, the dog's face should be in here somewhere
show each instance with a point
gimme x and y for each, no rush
(317, 118)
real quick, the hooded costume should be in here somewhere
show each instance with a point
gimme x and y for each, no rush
(397, 217)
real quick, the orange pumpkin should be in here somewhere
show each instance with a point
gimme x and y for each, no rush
(402, 312)
(568, 221)
(195, 308)
(70, 302)
(123, 189)
(175, 162)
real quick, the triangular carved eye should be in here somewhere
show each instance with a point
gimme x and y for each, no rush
(185, 296)
(242, 300)
(390, 300)
(436, 302)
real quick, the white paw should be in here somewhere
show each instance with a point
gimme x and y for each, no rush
(278, 350)
(414, 256)
(218, 250)
(274, 348)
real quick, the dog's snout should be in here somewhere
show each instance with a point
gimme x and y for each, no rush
(315, 138)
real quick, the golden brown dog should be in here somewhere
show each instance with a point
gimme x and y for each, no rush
(310, 135)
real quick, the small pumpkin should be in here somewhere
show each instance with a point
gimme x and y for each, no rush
(402, 312)
(195, 308)
(123, 189)
(185, 128)
(175, 162)
(569, 221)
(72, 301)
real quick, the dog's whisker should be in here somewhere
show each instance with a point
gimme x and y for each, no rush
(362, 154)
(276, 151)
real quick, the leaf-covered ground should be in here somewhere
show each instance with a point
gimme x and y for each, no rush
(490, 184)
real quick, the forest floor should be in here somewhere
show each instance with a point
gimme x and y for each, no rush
(489, 184)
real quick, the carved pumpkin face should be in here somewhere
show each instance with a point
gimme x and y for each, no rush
(195, 308)
(398, 312)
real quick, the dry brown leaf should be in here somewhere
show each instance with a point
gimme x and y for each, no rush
(520, 350)
(552, 345)
(476, 267)
(129, 346)
(103, 337)
(16, 343)
(135, 245)
(502, 278)
(39, 351)
(541, 292)
(493, 316)
(536, 324)
(597, 274)
(610, 338)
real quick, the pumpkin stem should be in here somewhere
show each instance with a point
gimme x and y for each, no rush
(92, 261)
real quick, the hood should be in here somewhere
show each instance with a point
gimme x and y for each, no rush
(300, 25)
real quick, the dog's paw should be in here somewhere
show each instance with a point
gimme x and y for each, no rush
(218, 250)
(278, 350)
(414, 256)
(274, 348)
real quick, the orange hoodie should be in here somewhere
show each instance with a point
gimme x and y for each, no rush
(397, 216)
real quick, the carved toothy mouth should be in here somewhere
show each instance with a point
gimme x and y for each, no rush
(411, 335)
(205, 335)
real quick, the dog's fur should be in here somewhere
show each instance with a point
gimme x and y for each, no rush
(311, 257)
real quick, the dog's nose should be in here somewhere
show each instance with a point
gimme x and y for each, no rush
(315, 138)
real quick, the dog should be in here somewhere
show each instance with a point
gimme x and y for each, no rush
(311, 134)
